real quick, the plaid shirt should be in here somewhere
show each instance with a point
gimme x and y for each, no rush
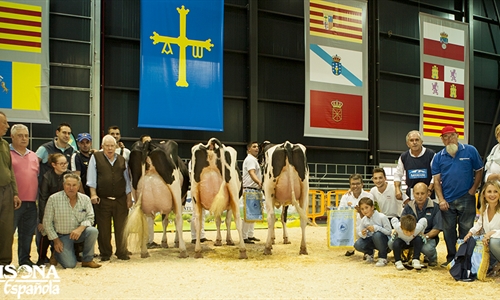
(61, 218)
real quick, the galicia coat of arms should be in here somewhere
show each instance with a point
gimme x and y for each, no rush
(336, 65)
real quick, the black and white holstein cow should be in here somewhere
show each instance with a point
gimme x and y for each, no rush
(286, 182)
(160, 180)
(216, 186)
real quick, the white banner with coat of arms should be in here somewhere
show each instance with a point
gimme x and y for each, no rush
(336, 69)
(444, 77)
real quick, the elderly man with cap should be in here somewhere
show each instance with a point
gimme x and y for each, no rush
(457, 171)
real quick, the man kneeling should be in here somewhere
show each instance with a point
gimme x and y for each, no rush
(68, 220)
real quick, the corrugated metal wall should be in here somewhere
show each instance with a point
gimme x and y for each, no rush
(264, 74)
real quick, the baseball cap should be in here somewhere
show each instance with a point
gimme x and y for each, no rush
(84, 136)
(448, 129)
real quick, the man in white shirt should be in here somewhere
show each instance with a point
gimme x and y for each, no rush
(384, 194)
(252, 182)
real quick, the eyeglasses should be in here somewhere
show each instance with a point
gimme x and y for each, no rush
(356, 183)
(448, 136)
(62, 164)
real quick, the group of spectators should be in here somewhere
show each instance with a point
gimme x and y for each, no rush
(440, 197)
(75, 190)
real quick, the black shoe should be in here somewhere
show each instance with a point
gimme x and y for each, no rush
(349, 253)
(104, 258)
(193, 241)
(124, 257)
(79, 258)
(27, 263)
(42, 262)
(254, 239)
(152, 245)
(445, 264)
(248, 241)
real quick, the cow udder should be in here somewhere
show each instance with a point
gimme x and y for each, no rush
(210, 181)
(283, 189)
(156, 196)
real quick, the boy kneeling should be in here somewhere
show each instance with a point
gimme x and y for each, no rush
(408, 234)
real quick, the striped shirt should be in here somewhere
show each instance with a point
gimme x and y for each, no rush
(61, 218)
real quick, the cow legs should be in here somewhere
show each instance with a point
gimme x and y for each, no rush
(270, 227)
(218, 240)
(303, 222)
(284, 212)
(164, 223)
(197, 247)
(237, 221)
(229, 240)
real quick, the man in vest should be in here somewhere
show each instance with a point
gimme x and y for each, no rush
(107, 177)
(416, 165)
(61, 143)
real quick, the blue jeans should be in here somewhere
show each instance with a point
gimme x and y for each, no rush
(67, 257)
(429, 249)
(494, 251)
(368, 245)
(461, 212)
(398, 245)
(25, 220)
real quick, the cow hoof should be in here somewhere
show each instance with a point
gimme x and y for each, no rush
(229, 243)
(286, 241)
(243, 254)
(218, 243)
(176, 245)
(267, 251)
(164, 244)
(183, 254)
(145, 255)
(197, 254)
(303, 251)
(272, 240)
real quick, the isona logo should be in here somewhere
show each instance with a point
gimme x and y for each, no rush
(29, 280)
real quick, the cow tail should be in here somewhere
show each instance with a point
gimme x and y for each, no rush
(288, 150)
(136, 227)
(219, 204)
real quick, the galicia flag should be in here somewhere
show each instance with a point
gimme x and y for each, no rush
(336, 110)
(443, 41)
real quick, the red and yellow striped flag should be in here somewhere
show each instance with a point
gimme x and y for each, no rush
(20, 27)
(336, 21)
(437, 116)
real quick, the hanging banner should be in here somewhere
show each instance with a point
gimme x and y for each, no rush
(24, 60)
(444, 81)
(336, 100)
(181, 64)
(341, 228)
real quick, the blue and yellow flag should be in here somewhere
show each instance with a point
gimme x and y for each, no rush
(181, 64)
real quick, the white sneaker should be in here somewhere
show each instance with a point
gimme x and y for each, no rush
(382, 262)
(416, 264)
(399, 265)
(368, 258)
